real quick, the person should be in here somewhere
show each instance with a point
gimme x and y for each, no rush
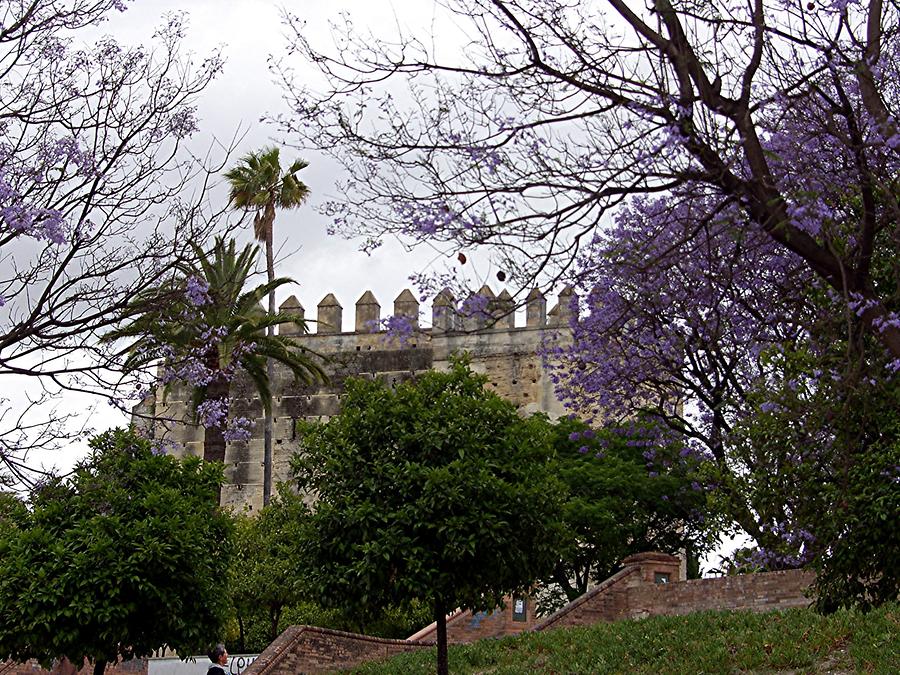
(219, 658)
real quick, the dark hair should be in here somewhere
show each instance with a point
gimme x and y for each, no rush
(216, 653)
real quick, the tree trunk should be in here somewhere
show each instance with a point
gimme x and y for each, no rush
(214, 445)
(440, 617)
(562, 578)
(214, 437)
(270, 364)
(241, 639)
(99, 666)
(274, 620)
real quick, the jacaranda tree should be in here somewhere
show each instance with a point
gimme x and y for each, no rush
(94, 204)
(679, 328)
(720, 178)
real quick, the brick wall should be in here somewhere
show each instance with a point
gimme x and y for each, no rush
(760, 592)
(464, 627)
(636, 592)
(308, 649)
(601, 604)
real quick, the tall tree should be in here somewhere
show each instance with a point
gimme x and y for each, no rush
(97, 200)
(678, 326)
(717, 176)
(126, 556)
(204, 328)
(258, 185)
(433, 490)
(556, 113)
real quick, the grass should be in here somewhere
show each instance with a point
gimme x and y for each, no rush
(796, 641)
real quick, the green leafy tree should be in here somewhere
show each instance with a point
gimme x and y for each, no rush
(205, 327)
(268, 571)
(435, 490)
(269, 584)
(258, 185)
(826, 437)
(123, 557)
(624, 498)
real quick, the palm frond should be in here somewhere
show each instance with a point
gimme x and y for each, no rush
(177, 328)
(257, 183)
(255, 295)
(255, 367)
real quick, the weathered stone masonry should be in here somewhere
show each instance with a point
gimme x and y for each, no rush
(506, 353)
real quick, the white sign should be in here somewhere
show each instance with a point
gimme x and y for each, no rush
(197, 665)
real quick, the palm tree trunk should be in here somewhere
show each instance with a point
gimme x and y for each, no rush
(270, 364)
(214, 437)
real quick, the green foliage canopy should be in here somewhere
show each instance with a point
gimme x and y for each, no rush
(617, 506)
(268, 570)
(433, 490)
(270, 589)
(120, 559)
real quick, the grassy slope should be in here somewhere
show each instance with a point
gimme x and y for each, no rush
(707, 642)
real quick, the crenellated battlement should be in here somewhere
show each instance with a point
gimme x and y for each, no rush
(482, 310)
(482, 325)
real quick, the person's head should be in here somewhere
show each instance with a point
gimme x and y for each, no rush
(219, 654)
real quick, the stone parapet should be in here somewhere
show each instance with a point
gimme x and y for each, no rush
(330, 315)
(482, 310)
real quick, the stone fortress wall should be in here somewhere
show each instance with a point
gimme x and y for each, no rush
(505, 352)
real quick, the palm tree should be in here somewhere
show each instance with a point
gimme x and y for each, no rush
(258, 185)
(207, 340)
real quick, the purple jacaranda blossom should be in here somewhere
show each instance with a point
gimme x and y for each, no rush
(396, 327)
(196, 291)
(163, 446)
(239, 429)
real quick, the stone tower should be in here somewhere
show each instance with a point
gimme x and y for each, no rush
(500, 349)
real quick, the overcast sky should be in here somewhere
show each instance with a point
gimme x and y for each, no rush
(249, 32)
